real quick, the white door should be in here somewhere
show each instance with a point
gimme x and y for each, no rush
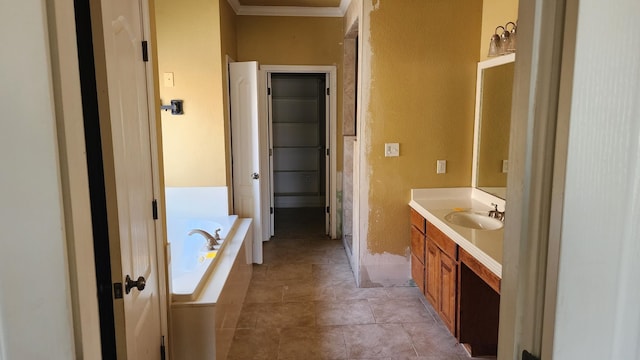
(245, 143)
(127, 90)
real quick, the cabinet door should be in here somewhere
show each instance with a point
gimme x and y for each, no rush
(432, 274)
(417, 272)
(448, 281)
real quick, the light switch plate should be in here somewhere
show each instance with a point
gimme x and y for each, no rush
(505, 166)
(391, 149)
(441, 166)
(168, 79)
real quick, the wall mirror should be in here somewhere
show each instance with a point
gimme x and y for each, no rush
(494, 89)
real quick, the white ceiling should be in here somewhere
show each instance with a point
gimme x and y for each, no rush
(321, 8)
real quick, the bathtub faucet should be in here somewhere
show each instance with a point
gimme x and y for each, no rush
(212, 241)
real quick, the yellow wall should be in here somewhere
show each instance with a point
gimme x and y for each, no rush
(189, 45)
(495, 13)
(273, 40)
(421, 94)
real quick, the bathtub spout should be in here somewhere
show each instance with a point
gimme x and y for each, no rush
(212, 241)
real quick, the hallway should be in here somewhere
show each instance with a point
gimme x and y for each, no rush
(303, 303)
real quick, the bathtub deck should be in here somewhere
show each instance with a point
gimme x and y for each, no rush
(197, 324)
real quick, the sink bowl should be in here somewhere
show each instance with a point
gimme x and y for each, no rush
(473, 220)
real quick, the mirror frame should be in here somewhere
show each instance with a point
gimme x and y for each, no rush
(482, 65)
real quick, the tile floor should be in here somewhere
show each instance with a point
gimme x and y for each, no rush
(303, 303)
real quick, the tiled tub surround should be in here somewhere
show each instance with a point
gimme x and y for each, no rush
(484, 245)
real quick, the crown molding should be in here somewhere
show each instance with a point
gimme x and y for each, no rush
(290, 10)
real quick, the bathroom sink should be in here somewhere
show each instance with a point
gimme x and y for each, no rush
(473, 220)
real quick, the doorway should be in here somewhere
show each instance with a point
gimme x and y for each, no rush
(300, 111)
(298, 123)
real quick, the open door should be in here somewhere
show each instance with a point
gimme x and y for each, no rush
(129, 179)
(245, 144)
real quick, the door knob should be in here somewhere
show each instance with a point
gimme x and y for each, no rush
(255, 176)
(138, 284)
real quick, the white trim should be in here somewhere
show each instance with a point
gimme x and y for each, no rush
(228, 149)
(158, 185)
(290, 10)
(333, 116)
(531, 174)
(497, 61)
(74, 178)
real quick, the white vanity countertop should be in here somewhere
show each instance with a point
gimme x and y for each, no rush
(435, 204)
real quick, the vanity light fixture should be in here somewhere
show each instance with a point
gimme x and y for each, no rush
(495, 46)
(503, 40)
(511, 46)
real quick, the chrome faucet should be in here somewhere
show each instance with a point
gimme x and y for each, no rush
(495, 213)
(212, 240)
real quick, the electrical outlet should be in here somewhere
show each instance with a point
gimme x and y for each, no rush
(391, 149)
(441, 166)
(505, 166)
(168, 79)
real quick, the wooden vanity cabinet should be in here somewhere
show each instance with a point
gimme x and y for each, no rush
(418, 249)
(464, 293)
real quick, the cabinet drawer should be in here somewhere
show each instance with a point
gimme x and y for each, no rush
(447, 245)
(418, 221)
(417, 244)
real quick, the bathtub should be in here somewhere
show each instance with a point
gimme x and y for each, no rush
(207, 292)
(207, 288)
(191, 262)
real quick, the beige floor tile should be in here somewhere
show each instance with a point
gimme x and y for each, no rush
(352, 293)
(433, 341)
(377, 340)
(283, 315)
(308, 291)
(344, 313)
(262, 290)
(259, 271)
(333, 273)
(403, 310)
(255, 344)
(289, 272)
(312, 343)
(403, 292)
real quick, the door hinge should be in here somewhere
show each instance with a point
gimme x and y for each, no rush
(328, 91)
(163, 350)
(268, 91)
(528, 356)
(117, 290)
(270, 152)
(328, 212)
(154, 209)
(327, 152)
(271, 210)
(145, 51)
